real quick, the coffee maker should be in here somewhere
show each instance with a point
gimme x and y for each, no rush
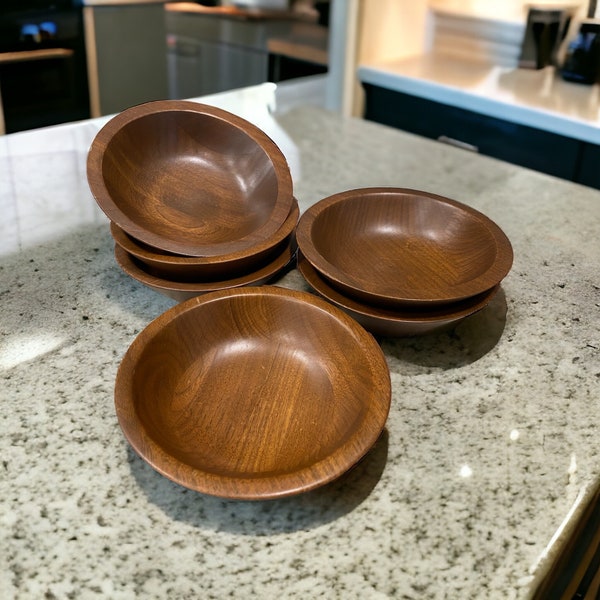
(544, 32)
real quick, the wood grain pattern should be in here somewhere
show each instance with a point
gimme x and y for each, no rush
(389, 322)
(189, 178)
(253, 393)
(225, 266)
(184, 290)
(29, 55)
(395, 246)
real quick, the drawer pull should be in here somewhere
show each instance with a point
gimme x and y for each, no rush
(453, 142)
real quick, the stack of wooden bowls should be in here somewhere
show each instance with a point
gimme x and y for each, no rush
(199, 199)
(402, 262)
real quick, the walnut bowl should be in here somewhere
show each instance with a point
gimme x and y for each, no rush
(190, 179)
(395, 247)
(179, 290)
(400, 322)
(253, 393)
(175, 267)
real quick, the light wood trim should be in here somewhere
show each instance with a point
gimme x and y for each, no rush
(298, 50)
(29, 55)
(2, 122)
(89, 27)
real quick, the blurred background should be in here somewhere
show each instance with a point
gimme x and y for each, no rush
(66, 60)
(63, 60)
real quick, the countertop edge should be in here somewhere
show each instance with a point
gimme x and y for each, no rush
(234, 12)
(454, 96)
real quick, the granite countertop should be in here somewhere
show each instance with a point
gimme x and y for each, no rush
(491, 444)
(537, 98)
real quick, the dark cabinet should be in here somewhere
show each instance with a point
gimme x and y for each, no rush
(588, 171)
(518, 144)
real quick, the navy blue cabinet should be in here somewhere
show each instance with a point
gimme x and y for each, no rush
(588, 171)
(518, 144)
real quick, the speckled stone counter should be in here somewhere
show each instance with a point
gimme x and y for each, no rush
(491, 443)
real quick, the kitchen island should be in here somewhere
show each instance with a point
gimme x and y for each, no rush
(490, 451)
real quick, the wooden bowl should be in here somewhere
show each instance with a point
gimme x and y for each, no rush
(388, 322)
(394, 247)
(184, 290)
(253, 393)
(188, 268)
(189, 178)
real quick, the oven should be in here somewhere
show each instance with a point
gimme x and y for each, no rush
(43, 72)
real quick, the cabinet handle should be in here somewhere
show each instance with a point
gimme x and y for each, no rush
(453, 142)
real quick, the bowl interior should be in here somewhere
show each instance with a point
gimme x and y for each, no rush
(404, 246)
(190, 182)
(253, 393)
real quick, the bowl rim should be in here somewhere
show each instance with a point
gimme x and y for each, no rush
(350, 451)
(180, 244)
(409, 315)
(392, 298)
(265, 272)
(132, 246)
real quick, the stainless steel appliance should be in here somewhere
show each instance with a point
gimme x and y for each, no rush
(43, 74)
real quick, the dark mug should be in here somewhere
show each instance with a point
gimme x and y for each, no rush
(582, 59)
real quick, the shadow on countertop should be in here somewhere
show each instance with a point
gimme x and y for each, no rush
(462, 345)
(265, 517)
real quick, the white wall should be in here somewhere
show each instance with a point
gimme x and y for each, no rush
(392, 29)
(388, 29)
